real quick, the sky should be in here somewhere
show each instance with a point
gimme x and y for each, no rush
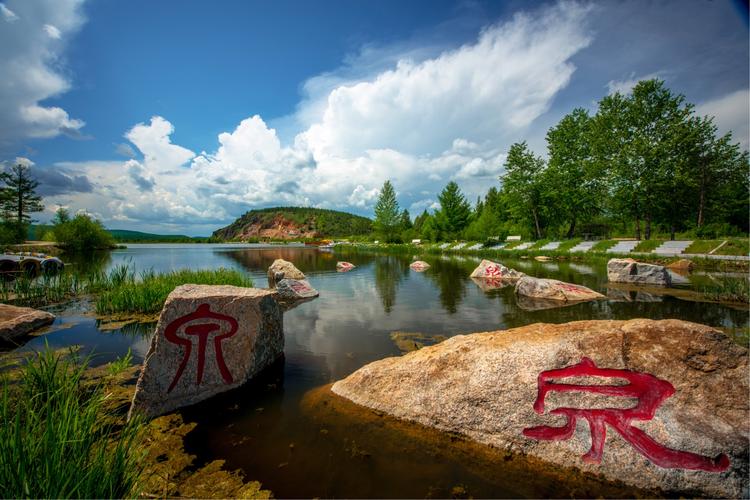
(178, 116)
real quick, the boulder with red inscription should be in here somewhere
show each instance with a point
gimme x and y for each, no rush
(419, 266)
(660, 406)
(343, 267)
(489, 269)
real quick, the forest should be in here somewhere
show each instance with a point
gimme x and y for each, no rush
(644, 165)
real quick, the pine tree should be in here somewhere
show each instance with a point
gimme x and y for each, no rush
(18, 198)
(455, 212)
(387, 215)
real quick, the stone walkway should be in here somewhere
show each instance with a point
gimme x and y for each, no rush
(583, 246)
(672, 247)
(552, 245)
(625, 246)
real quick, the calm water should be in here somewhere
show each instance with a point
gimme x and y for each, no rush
(263, 428)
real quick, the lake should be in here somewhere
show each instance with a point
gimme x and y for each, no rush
(266, 430)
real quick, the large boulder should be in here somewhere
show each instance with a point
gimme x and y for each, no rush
(16, 322)
(672, 395)
(209, 339)
(631, 271)
(495, 270)
(554, 290)
(281, 269)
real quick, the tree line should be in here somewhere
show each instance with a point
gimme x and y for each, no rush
(644, 163)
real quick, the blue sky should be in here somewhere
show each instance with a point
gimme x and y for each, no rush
(178, 116)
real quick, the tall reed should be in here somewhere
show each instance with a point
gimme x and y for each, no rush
(59, 440)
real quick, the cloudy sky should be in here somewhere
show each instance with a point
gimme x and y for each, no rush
(178, 116)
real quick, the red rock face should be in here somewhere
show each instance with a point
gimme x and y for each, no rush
(682, 428)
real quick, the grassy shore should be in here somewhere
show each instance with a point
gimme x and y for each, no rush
(119, 291)
(58, 438)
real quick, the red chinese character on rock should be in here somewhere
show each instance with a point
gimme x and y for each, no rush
(650, 392)
(492, 270)
(201, 330)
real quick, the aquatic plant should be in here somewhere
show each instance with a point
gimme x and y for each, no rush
(148, 294)
(728, 289)
(121, 363)
(58, 439)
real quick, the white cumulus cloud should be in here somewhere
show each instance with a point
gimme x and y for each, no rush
(30, 48)
(731, 114)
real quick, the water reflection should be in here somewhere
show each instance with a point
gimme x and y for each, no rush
(389, 272)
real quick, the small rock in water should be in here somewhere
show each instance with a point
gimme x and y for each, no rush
(419, 266)
(682, 265)
(343, 267)
(209, 339)
(407, 342)
(291, 289)
(543, 258)
(631, 271)
(281, 269)
(554, 290)
(489, 269)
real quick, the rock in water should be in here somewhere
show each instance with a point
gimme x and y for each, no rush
(18, 321)
(419, 266)
(665, 403)
(209, 339)
(289, 289)
(682, 265)
(343, 267)
(554, 290)
(281, 269)
(631, 271)
(489, 269)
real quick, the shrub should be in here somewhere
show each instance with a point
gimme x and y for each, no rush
(81, 233)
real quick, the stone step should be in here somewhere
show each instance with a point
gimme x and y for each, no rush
(552, 245)
(672, 247)
(624, 246)
(524, 246)
(475, 246)
(583, 246)
(459, 246)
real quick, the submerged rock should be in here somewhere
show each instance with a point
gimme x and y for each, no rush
(281, 269)
(672, 394)
(489, 269)
(419, 266)
(209, 339)
(16, 321)
(631, 271)
(554, 290)
(407, 342)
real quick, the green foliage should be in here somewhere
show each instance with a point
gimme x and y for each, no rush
(524, 186)
(455, 212)
(728, 289)
(387, 216)
(18, 197)
(58, 440)
(120, 364)
(647, 246)
(82, 232)
(148, 294)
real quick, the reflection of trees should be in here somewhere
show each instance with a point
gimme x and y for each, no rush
(389, 272)
(451, 276)
(87, 262)
(305, 259)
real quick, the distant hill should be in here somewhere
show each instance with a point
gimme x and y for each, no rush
(138, 236)
(288, 223)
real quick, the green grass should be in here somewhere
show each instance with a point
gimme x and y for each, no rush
(120, 364)
(702, 246)
(728, 290)
(58, 439)
(647, 246)
(538, 244)
(147, 295)
(566, 245)
(735, 247)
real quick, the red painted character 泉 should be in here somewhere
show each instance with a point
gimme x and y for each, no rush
(650, 392)
(201, 330)
(492, 270)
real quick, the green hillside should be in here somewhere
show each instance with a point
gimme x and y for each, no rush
(124, 235)
(301, 220)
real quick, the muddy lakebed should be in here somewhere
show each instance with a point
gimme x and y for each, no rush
(285, 429)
